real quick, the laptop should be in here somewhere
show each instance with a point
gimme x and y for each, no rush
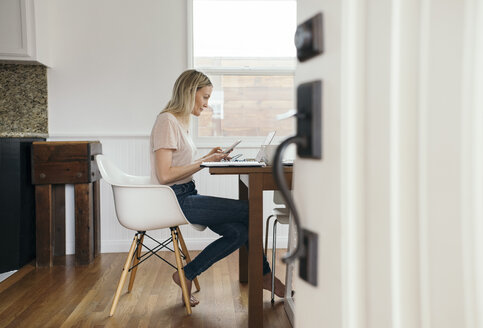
(256, 162)
(267, 141)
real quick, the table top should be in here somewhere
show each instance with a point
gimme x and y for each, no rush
(61, 143)
(246, 169)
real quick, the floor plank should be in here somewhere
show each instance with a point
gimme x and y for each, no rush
(70, 296)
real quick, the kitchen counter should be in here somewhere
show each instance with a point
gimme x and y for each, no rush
(23, 101)
(17, 203)
(23, 135)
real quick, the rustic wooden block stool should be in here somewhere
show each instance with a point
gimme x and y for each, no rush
(55, 164)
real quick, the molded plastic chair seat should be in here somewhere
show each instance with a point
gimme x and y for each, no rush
(282, 214)
(142, 206)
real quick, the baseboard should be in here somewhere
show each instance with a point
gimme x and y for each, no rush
(5, 275)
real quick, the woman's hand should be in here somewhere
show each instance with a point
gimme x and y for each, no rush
(214, 151)
(216, 157)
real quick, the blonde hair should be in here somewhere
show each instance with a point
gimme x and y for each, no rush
(184, 92)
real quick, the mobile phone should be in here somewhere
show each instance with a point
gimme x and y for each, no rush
(231, 147)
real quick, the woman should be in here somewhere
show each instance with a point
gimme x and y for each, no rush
(173, 164)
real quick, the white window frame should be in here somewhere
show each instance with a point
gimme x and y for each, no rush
(225, 141)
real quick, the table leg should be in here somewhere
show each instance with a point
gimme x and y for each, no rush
(243, 252)
(255, 251)
(84, 224)
(44, 225)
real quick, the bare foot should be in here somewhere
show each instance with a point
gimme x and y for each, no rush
(279, 286)
(193, 300)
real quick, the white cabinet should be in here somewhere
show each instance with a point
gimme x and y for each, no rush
(23, 31)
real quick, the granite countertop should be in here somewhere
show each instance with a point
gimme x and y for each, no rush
(23, 101)
(23, 135)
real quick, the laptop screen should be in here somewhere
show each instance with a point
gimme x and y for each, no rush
(269, 138)
(267, 141)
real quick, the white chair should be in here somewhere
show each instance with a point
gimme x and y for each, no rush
(142, 206)
(282, 216)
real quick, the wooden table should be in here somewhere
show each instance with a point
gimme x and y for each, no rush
(55, 164)
(252, 182)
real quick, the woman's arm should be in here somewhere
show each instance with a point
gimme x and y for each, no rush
(167, 173)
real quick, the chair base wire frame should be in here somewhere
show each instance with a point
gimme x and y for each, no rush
(281, 220)
(274, 251)
(134, 259)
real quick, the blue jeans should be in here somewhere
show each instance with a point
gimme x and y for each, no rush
(226, 217)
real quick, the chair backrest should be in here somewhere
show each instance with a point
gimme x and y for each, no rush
(139, 204)
(115, 176)
(278, 198)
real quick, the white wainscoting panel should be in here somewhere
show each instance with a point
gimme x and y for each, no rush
(131, 153)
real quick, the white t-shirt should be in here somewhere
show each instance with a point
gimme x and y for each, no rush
(168, 133)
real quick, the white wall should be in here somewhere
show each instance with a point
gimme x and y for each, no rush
(396, 200)
(112, 69)
(113, 64)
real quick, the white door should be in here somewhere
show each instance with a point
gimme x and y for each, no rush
(397, 199)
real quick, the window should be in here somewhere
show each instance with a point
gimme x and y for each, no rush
(246, 48)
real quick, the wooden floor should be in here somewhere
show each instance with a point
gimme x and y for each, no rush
(69, 296)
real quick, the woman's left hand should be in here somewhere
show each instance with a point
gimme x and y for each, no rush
(215, 151)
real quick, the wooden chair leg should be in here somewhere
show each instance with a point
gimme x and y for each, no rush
(179, 265)
(187, 254)
(136, 261)
(123, 276)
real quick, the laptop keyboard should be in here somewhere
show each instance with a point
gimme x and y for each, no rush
(233, 163)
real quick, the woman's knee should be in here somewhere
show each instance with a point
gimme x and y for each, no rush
(239, 210)
(243, 212)
(242, 234)
(235, 231)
